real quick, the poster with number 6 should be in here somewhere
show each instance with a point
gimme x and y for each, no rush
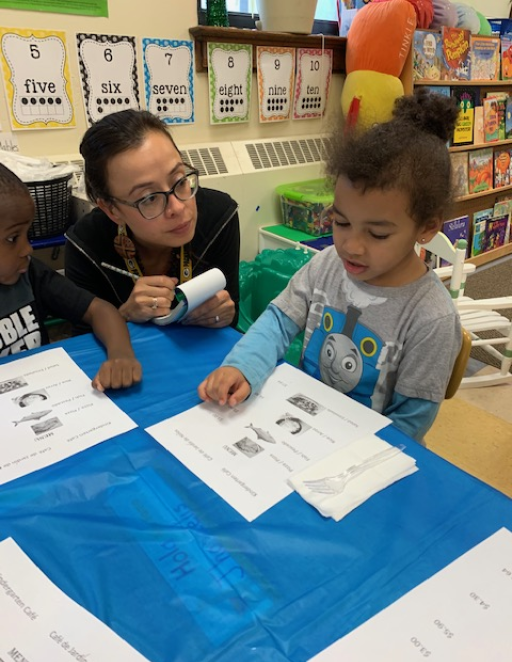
(108, 67)
(36, 79)
(230, 78)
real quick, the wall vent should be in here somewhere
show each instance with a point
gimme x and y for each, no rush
(257, 155)
(211, 159)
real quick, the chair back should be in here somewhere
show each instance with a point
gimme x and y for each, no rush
(459, 367)
(441, 246)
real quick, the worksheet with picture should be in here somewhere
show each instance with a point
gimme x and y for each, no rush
(246, 454)
(49, 412)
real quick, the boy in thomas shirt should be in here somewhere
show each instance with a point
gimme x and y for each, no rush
(30, 291)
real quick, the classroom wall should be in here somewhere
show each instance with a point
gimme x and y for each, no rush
(491, 8)
(151, 18)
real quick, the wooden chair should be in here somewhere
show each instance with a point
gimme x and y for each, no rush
(459, 367)
(476, 315)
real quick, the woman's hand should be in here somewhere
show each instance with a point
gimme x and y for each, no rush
(151, 297)
(226, 385)
(216, 312)
(119, 372)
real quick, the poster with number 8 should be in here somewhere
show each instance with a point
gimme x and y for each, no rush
(36, 79)
(108, 67)
(314, 69)
(229, 78)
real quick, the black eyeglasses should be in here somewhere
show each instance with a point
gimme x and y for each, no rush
(154, 204)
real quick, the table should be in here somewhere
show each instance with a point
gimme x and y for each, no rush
(132, 535)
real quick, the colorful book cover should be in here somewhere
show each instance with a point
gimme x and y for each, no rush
(503, 208)
(467, 99)
(491, 119)
(427, 55)
(480, 170)
(480, 219)
(485, 58)
(496, 232)
(478, 129)
(502, 170)
(501, 99)
(460, 173)
(454, 229)
(444, 90)
(455, 43)
(508, 118)
(506, 57)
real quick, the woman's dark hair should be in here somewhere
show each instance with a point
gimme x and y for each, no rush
(110, 136)
(408, 154)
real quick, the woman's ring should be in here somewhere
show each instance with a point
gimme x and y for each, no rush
(155, 303)
(217, 319)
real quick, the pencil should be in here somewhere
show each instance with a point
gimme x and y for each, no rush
(119, 271)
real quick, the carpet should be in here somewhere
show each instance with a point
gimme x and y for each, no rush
(493, 281)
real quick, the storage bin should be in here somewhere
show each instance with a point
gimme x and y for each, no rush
(302, 205)
(52, 200)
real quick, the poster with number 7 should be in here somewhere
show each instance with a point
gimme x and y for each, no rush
(108, 67)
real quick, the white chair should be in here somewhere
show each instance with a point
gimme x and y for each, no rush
(476, 315)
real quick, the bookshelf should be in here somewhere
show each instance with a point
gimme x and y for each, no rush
(473, 202)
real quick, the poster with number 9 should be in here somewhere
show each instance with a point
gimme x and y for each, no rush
(108, 68)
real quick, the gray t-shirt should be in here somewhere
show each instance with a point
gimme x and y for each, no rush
(369, 341)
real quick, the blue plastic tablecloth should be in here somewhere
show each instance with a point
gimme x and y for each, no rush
(133, 536)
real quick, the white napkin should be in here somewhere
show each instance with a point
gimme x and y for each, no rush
(358, 489)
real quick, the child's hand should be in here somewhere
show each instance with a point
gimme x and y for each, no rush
(225, 386)
(118, 373)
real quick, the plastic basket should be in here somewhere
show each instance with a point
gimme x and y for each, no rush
(52, 199)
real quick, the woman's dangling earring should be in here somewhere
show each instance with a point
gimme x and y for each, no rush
(123, 245)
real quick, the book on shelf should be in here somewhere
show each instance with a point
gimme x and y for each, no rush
(427, 55)
(491, 119)
(502, 169)
(504, 208)
(480, 219)
(508, 118)
(454, 229)
(485, 57)
(501, 99)
(496, 230)
(480, 170)
(467, 99)
(455, 45)
(444, 90)
(460, 173)
(506, 57)
(478, 129)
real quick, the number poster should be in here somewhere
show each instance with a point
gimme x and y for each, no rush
(276, 69)
(36, 78)
(229, 78)
(314, 68)
(108, 67)
(169, 79)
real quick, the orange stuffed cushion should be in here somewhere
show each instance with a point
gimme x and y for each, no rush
(380, 37)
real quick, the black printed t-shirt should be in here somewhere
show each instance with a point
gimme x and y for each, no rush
(40, 292)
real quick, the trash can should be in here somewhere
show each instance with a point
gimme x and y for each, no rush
(262, 280)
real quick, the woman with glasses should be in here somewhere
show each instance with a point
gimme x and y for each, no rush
(153, 223)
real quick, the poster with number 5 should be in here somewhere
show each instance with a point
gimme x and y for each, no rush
(36, 79)
(108, 67)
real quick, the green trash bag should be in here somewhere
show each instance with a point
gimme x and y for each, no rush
(261, 281)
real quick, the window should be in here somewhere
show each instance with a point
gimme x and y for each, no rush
(326, 19)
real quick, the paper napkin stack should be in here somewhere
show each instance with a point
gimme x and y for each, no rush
(359, 488)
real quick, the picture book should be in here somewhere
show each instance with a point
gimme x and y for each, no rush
(480, 170)
(501, 99)
(460, 173)
(455, 44)
(508, 118)
(506, 57)
(496, 231)
(467, 98)
(502, 169)
(478, 129)
(485, 58)
(503, 208)
(491, 119)
(456, 228)
(444, 90)
(480, 219)
(427, 55)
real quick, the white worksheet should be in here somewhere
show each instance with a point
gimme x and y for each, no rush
(41, 623)
(461, 614)
(246, 454)
(50, 411)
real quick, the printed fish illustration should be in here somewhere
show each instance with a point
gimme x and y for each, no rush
(262, 434)
(32, 417)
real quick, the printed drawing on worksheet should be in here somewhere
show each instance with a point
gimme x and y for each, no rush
(36, 78)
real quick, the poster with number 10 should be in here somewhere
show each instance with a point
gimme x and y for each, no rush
(108, 67)
(229, 78)
(314, 70)
(36, 78)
